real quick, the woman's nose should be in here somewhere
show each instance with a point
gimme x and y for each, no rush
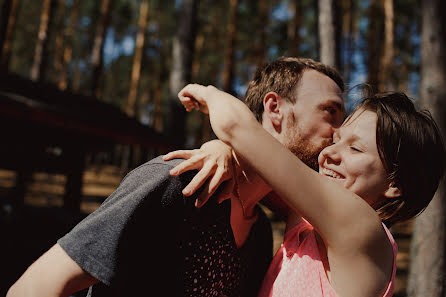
(331, 154)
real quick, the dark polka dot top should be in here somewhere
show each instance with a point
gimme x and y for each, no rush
(212, 263)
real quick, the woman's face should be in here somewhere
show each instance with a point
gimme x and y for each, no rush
(353, 158)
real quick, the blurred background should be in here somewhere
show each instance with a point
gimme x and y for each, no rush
(88, 92)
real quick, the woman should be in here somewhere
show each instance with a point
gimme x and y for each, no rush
(384, 166)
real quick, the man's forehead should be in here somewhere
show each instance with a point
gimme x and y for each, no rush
(318, 96)
(315, 82)
(313, 77)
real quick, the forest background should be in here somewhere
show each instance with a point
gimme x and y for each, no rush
(135, 55)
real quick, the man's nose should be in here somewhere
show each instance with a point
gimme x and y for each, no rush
(334, 129)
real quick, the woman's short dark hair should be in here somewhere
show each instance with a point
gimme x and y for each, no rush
(412, 150)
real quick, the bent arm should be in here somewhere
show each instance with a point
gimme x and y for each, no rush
(214, 162)
(53, 274)
(316, 198)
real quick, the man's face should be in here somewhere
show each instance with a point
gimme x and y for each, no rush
(311, 121)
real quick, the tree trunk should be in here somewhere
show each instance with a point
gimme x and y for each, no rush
(157, 94)
(350, 31)
(386, 71)
(157, 109)
(76, 77)
(228, 62)
(199, 43)
(327, 33)
(293, 29)
(97, 56)
(196, 65)
(183, 53)
(60, 32)
(68, 50)
(337, 11)
(40, 53)
(427, 263)
(137, 59)
(9, 16)
(317, 40)
(374, 44)
(262, 23)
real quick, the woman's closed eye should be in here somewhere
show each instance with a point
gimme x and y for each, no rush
(356, 149)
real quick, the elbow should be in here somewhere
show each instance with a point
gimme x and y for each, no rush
(224, 124)
(228, 128)
(234, 120)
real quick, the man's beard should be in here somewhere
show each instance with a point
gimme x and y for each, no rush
(306, 151)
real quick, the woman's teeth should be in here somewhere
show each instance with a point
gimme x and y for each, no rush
(331, 173)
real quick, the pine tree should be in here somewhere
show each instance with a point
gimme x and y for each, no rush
(40, 52)
(427, 262)
(8, 20)
(137, 59)
(182, 57)
(231, 34)
(97, 56)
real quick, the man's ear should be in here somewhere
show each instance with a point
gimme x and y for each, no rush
(393, 191)
(273, 108)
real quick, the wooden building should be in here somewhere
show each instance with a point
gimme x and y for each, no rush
(45, 129)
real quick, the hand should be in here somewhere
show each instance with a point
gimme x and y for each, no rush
(226, 113)
(193, 96)
(214, 162)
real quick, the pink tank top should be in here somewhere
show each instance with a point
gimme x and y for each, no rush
(297, 269)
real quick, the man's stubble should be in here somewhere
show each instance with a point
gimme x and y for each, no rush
(302, 147)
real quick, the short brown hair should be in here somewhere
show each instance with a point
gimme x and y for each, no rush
(281, 76)
(411, 148)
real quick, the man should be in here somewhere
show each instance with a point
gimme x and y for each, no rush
(147, 237)
(298, 101)
(301, 108)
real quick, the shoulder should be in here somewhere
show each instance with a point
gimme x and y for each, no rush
(368, 262)
(156, 166)
(154, 176)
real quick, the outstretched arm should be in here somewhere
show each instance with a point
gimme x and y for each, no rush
(53, 274)
(316, 198)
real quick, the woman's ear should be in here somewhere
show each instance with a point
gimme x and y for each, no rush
(393, 191)
(273, 111)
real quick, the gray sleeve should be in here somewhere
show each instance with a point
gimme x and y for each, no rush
(94, 242)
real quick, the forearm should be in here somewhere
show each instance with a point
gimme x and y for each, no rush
(31, 284)
(53, 274)
(31, 287)
(226, 112)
